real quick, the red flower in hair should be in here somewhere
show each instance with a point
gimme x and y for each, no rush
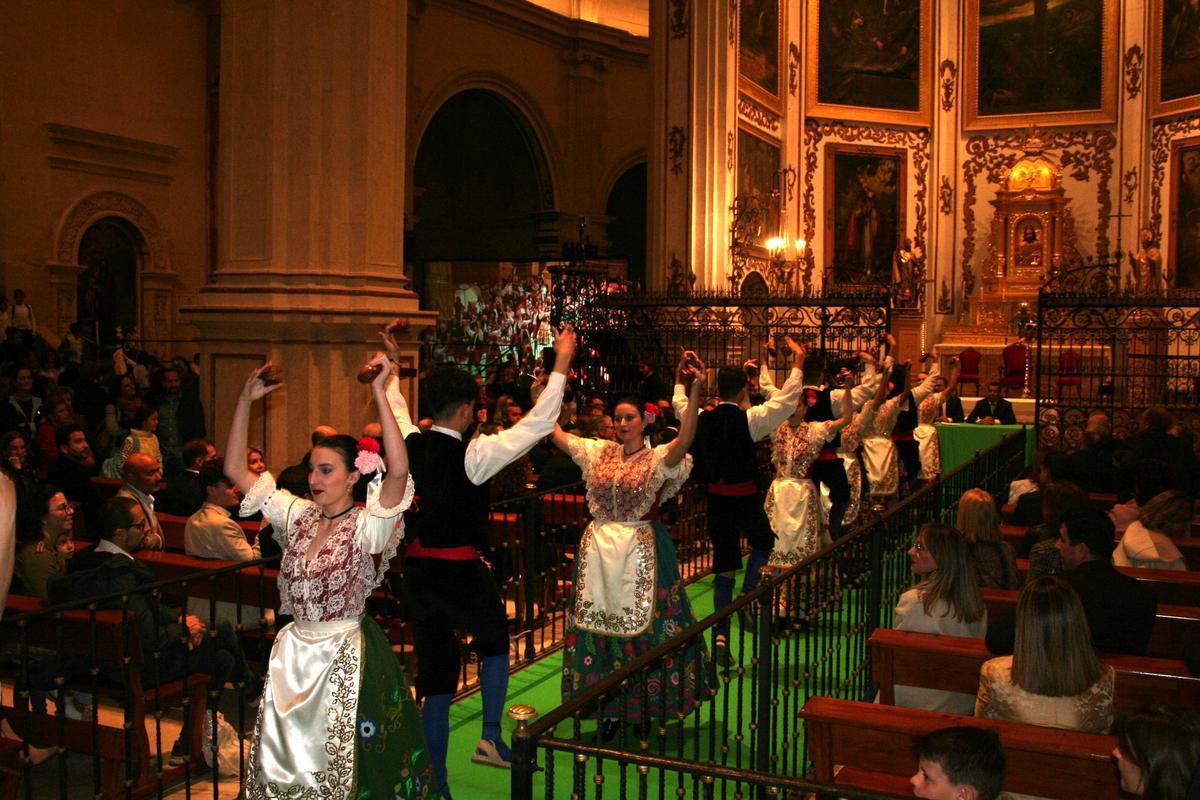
(810, 398)
(368, 444)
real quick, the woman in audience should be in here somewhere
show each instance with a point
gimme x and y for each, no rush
(1158, 753)
(616, 616)
(119, 414)
(256, 460)
(43, 540)
(14, 447)
(946, 601)
(995, 563)
(1053, 677)
(335, 712)
(142, 438)
(1149, 542)
(1057, 499)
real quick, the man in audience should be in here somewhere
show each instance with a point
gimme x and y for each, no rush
(142, 476)
(211, 532)
(180, 418)
(961, 763)
(1154, 440)
(949, 408)
(73, 470)
(172, 648)
(1028, 509)
(992, 409)
(1092, 466)
(1120, 610)
(183, 495)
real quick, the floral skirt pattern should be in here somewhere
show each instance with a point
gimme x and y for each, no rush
(675, 686)
(392, 760)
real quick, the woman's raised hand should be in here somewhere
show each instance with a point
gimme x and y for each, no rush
(262, 381)
(384, 361)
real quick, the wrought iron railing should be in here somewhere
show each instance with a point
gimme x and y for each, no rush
(802, 632)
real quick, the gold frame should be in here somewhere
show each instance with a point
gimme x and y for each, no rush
(1109, 68)
(1159, 107)
(748, 87)
(887, 116)
(757, 248)
(1177, 147)
(832, 149)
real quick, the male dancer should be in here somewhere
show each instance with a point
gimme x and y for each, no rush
(726, 463)
(447, 585)
(825, 405)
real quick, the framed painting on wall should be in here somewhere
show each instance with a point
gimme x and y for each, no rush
(1174, 71)
(758, 160)
(865, 191)
(1184, 254)
(760, 42)
(1040, 62)
(870, 66)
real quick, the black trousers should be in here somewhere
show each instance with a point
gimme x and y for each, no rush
(731, 518)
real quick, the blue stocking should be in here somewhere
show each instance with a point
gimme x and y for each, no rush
(722, 596)
(435, 720)
(493, 682)
(754, 564)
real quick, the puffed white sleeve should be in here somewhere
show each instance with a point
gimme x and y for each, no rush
(279, 506)
(669, 480)
(380, 528)
(584, 452)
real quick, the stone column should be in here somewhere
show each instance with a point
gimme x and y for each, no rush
(310, 213)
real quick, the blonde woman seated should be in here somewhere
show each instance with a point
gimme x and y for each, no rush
(994, 559)
(1149, 542)
(1053, 677)
(946, 601)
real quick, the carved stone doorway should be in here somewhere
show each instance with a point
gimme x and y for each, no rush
(110, 253)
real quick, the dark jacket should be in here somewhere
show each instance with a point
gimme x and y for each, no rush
(182, 496)
(1003, 412)
(1028, 510)
(954, 409)
(1120, 611)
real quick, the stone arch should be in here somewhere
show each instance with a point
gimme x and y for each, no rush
(625, 206)
(156, 256)
(527, 112)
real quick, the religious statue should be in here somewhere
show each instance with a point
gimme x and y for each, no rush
(1146, 264)
(1029, 251)
(908, 272)
(680, 280)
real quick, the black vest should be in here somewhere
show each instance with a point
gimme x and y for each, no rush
(821, 410)
(907, 420)
(449, 510)
(723, 450)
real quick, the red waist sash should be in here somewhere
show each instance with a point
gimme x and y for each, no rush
(461, 553)
(723, 489)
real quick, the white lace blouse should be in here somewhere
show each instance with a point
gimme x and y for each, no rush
(623, 489)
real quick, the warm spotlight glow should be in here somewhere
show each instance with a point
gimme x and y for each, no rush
(774, 244)
(800, 245)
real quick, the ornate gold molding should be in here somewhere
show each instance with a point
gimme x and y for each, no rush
(916, 140)
(946, 196)
(1162, 133)
(1134, 60)
(676, 141)
(947, 73)
(1079, 152)
(758, 115)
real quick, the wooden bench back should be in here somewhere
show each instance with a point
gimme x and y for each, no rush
(953, 663)
(1169, 586)
(1189, 546)
(252, 586)
(875, 745)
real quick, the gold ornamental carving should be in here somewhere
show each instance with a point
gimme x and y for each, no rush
(759, 116)
(1162, 134)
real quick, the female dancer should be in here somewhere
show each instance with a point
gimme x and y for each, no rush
(626, 481)
(336, 718)
(880, 456)
(928, 412)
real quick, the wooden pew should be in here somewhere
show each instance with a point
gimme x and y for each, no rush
(174, 526)
(874, 746)
(953, 663)
(117, 643)
(1174, 625)
(247, 586)
(1170, 586)
(1190, 546)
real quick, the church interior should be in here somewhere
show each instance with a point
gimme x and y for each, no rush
(1002, 193)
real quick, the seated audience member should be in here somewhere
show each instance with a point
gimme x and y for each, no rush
(1041, 541)
(55, 413)
(1151, 478)
(1120, 611)
(1154, 440)
(141, 440)
(1053, 677)
(171, 647)
(1028, 509)
(211, 532)
(992, 409)
(560, 469)
(183, 496)
(256, 460)
(1158, 753)
(1092, 466)
(44, 541)
(949, 407)
(74, 469)
(1149, 542)
(318, 433)
(20, 413)
(142, 476)
(508, 412)
(961, 763)
(993, 558)
(14, 449)
(1028, 482)
(946, 601)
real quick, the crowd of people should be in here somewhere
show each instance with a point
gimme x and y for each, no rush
(843, 437)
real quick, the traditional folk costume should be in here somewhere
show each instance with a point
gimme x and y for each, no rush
(793, 502)
(879, 449)
(629, 596)
(927, 437)
(336, 718)
(850, 438)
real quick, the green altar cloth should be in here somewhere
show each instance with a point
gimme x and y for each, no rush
(959, 441)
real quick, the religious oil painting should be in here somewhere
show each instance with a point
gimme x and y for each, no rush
(1040, 62)
(1174, 69)
(864, 210)
(1184, 250)
(870, 60)
(758, 174)
(760, 41)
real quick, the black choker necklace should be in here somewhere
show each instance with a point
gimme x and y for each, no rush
(339, 514)
(635, 452)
